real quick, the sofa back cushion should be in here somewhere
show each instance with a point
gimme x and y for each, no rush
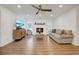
(58, 31)
(68, 32)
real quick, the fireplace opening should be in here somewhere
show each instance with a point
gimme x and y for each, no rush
(39, 30)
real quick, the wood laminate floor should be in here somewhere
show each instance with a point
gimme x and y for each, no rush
(38, 46)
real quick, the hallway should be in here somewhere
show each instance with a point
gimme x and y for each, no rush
(32, 46)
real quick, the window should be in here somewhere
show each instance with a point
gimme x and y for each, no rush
(19, 22)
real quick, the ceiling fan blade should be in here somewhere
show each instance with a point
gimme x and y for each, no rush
(49, 10)
(37, 12)
(35, 7)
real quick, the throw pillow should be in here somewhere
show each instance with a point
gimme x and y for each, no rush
(53, 30)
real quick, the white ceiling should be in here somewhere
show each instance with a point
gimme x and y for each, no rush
(28, 9)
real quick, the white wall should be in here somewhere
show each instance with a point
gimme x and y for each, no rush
(7, 24)
(0, 28)
(76, 40)
(67, 21)
(33, 19)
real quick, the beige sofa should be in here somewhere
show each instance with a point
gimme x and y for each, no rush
(61, 36)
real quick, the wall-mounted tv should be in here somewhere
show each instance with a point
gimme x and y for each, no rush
(39, 30)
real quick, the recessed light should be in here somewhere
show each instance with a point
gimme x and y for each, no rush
(60, 6)
(19, 6)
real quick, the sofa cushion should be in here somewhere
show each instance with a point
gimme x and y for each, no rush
(68, 32)
(58, 31)
(66, 36)
(57, 36)
(62, 32)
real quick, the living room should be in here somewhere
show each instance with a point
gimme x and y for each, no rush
(63, 17)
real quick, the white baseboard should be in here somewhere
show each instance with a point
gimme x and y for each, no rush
(75, 44)
(3, 44)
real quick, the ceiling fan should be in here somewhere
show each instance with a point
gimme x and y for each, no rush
(41, 9)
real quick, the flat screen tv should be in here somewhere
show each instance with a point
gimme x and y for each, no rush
(39, 30)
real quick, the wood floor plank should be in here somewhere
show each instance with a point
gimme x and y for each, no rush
(33, 46)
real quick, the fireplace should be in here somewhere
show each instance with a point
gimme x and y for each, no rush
(39, 30)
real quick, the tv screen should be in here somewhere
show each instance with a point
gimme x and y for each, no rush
(39, 30)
